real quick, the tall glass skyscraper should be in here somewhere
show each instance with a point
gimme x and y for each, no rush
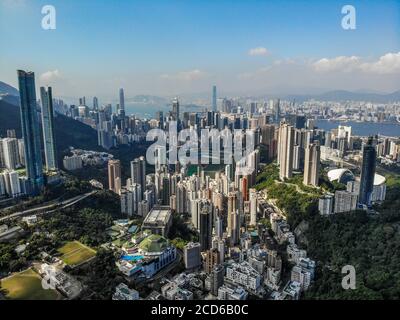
(48, 128)
(121, 99)
(214, 99)
(367, 173)
(30, 131)
(175, 109)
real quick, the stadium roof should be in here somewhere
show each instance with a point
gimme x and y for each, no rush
(379, 180)
(337, 174)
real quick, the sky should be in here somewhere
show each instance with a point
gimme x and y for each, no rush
(172, 47)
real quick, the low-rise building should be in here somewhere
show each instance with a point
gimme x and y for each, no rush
(122, 292)
(226, 292)
(146, 255)
(291, 291)
(294, 253)
(172, 291)
(244, 275)
(272, 279)
(158, 220)
(303, 272)
(55, 278)
(30, 220)
(72, 163)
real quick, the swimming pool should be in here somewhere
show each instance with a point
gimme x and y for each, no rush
(132, 258)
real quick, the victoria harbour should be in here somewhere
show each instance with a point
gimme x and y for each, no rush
(363, 128)
(242, 152)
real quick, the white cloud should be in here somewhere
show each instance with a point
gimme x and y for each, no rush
(342, 63)
(389, 63)
(386, 64)
(259, 51)
(50, 76)
(185, 75)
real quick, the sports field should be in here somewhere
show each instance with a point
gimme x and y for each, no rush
(26, 285)
(75, 253)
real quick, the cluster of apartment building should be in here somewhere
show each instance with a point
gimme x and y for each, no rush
(80, 158)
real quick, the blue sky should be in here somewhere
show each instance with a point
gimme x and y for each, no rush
(168, 47)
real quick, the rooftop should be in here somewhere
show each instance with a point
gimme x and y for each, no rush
(379, 180)
(158, 216)
(153, 243)
(337, 174)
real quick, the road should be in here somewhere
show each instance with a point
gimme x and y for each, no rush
(27, 203)
(44, 209)
(298, 189)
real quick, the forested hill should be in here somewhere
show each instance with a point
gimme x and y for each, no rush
(68, 132)
(369, 243)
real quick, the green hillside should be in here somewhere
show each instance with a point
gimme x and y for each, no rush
(68, 132)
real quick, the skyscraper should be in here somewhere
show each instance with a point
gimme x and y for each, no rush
(131, 196)
(275, 106)
(297, 121)
(205, 229)
(253, 207)
(367, 173)
(114, 176)
(285, 156)
(345, 201)
(160, 118)
(191, 255)
(297, 155)
(138, 172)
(175, 110)
(217, 278)
(212, 259)
(268, 140)
(311, 164)
(48, 128)
(30, 131)
(219, 223)
(233, 218)
(9, 153)
(121, 99)
(214, 99)
(95, 103)
(121, 111)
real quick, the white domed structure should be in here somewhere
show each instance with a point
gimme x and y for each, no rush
(341, 175)
(379, 180)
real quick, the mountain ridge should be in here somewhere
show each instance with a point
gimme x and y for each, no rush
(344, 95)
(8, 89)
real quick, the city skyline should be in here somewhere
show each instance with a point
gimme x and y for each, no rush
(185, 48)
(183, 150)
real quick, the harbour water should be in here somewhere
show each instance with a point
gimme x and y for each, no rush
(363, 128)
(358, 128)
(145, 110)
